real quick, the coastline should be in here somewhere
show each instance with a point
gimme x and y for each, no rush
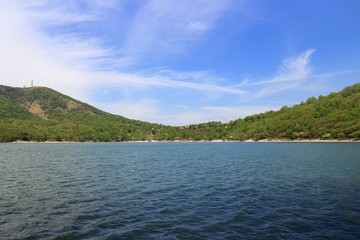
(214, 141)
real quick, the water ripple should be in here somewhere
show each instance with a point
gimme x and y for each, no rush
(180, 191)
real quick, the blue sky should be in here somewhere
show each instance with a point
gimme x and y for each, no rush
(182, 62)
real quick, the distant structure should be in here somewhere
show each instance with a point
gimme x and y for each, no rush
(32, 83)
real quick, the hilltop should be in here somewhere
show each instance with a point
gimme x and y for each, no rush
(43, 114)
(42, 102)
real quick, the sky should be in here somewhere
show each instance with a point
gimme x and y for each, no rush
(180, 62)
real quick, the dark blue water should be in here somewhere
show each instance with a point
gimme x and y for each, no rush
(180, 191)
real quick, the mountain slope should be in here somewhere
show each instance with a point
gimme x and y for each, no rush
(41, 114)
(47, 103)
(336, 116)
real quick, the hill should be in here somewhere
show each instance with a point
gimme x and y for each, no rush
(336, 116)
(43, 114)
(25, 103)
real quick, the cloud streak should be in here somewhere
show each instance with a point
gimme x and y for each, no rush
(74, 70)
(139, 81)
(292, 73)
(59, 45)
(293, 69)
(166, 26)
(77, 56)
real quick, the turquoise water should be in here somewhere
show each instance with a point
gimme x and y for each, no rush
(180, 191)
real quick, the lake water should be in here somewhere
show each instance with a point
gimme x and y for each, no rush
(180, 191)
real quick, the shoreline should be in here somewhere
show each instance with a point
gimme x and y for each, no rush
(213, 141)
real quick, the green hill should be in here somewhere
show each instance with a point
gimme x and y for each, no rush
(42, 102)
(336, 116)
(42, 114)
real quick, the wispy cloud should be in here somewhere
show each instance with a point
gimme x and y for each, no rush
(293, 69)
(292, 73)
(60, 44)
(56, 12)
(68, 61)
(145, 109)
(162, 25)
(137, 80)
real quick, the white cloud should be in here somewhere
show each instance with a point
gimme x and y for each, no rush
(195, 76)
(199, 26)
(67, 60)
(275, 88)
(52, 13)
(292, 74)
(144, 109)
(37, 45)
(167, 25)
(137, 80)
(293, 69)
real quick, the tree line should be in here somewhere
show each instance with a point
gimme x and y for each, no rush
(335, 116)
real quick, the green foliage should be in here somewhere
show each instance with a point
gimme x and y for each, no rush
(335, 116)
(63, 119)
(9, 109)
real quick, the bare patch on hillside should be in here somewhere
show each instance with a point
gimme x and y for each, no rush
(73, 105)
(36, 109)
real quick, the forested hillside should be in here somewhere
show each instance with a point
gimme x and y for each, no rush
(42, 114)
(336, 116)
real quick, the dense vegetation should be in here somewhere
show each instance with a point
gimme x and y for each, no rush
(336, 116)
(42, 114)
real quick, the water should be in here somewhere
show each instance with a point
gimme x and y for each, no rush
(180, 191)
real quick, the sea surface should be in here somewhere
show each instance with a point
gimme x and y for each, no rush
(180, 191)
